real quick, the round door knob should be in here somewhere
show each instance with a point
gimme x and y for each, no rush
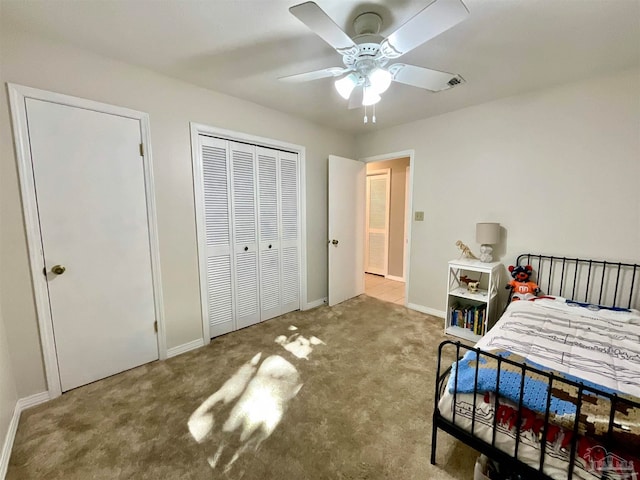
(269, 246)
(246, 249)
(334, 241)
(58, 269)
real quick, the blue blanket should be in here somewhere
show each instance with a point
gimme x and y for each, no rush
(535, 389)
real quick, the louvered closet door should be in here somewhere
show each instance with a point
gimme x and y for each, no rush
(377, 224)
(245, 223)
(217, 213)
(269, 238)
(290, 232)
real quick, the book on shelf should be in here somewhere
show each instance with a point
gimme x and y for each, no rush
(470, 317)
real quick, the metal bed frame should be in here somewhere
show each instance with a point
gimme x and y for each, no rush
(594, 281)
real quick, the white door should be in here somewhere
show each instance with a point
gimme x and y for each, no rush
(377, 222)
(346, 228)
(290, 231)
(217, 219)
(269, 244)
(279, 232)
(90, 187)
(245, 231)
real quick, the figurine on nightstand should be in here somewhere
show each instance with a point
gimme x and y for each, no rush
(466, 251)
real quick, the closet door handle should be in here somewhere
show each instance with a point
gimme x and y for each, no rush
(269, 246)
(246, 249)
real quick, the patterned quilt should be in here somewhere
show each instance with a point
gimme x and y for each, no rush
(599, 349)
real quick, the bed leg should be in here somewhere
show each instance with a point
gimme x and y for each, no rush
(434, 436)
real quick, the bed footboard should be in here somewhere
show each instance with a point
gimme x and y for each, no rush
(481, 432)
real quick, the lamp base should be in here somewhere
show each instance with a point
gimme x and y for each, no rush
(486, 253)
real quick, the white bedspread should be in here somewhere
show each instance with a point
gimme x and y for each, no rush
(600, 346)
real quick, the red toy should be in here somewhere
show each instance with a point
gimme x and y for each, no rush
(522, 288)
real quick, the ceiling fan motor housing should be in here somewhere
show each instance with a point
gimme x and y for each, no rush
(368, 23)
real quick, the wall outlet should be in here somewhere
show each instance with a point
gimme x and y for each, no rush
(419, 216)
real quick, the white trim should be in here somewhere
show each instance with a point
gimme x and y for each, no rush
(408, 210)
(407, 220)
(198, 195)
(33, 400)
(185, 347)
(154, 240)
(316, 303)
(201, 129)
(428, 310)
(21, 405)
(394, 278)
(17, 97)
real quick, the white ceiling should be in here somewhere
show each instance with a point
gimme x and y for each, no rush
(241, 47)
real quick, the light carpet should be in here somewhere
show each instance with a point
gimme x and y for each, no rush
(358, 406)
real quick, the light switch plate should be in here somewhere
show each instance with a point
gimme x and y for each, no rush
(419, 216)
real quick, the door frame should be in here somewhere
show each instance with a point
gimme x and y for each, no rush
(198, 190)
(386, 172)
(408, 208)
(17, 101)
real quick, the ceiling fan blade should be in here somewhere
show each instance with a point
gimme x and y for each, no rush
(426, 78)
(322, 25)
(430, 22)
(355, 100)
(315, 75)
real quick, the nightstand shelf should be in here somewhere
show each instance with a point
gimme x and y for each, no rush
(470, 314)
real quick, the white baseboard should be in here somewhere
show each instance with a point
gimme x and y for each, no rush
(315, 303)
(185, 347)
(429, 311)
(8, 442)
(32, 400)
(21, 405)
(393, 277)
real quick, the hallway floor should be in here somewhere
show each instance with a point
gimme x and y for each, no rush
(377, 286)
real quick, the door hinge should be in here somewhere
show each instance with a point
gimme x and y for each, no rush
(141, 150)
(155, 326)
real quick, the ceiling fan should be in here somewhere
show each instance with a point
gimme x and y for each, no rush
(366, 73)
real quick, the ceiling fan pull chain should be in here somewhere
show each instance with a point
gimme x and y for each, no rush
(373, 118)
(365, 114)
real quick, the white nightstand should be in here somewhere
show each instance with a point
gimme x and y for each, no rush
(470, 315)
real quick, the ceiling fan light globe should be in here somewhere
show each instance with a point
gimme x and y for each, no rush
(370, 97)
(380, 80)
(345, 85)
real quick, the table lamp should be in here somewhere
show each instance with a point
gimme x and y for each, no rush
(487, 234)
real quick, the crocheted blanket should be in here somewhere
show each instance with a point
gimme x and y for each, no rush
(594, 409)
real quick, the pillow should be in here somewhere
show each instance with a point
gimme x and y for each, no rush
(584, 308)
(594, 307)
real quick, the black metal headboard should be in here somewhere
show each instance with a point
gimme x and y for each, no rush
(613, 284)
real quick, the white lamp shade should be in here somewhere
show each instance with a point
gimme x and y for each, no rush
(487, 233)
(370, 97)
(345, 85)
(380, 80)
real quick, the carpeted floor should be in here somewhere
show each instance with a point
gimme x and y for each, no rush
(363, 411)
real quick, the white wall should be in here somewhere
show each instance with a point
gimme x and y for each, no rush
(8, 392)
(558, 168)
(172, 104)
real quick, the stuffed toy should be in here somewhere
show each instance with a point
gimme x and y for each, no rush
(522, 288)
